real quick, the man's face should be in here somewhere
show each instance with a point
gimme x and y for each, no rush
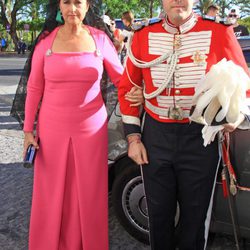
(177, 10)
(125, 22)
(232, 17)
(213, 12)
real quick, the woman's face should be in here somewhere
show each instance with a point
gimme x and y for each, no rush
(73, 11)
(112, 25)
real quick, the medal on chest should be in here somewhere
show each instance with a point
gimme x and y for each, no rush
(175, 113)
(199, 58)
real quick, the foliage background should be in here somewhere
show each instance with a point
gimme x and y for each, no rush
(15, 14)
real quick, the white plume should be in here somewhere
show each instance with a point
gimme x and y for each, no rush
(224, 86)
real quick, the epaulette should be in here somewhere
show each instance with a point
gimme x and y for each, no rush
(141, 24)
(217, 19)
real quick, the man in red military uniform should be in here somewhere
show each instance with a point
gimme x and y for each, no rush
(167, 59)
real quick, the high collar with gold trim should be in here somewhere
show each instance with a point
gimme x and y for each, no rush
(188, 25)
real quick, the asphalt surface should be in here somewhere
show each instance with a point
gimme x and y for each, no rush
(16, 181)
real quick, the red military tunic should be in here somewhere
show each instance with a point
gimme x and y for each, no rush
(198, 44)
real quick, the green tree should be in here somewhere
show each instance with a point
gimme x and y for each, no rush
(245, 22)
(115, 8)
(11, 11)
(36, 13)
(244, 8)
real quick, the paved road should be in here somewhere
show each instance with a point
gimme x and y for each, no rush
(16, 181)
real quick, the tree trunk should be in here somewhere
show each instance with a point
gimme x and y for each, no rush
(3, 14)
(13, 32)
(151, 8)
(17, 5)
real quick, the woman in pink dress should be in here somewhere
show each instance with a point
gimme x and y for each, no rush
(70, 194)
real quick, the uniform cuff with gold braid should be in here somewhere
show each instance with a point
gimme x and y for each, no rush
(131, 129)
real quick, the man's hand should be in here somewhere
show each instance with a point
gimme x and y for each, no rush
(136, 150)
(230, 127)
(135, 95)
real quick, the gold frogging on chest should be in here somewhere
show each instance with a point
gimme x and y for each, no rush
(177, 41)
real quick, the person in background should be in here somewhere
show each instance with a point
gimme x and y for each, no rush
(233, 17)
(21, 46)
(106, 19)
(127, 20)
(70, 193)
(3, 44)
(167, 60)
(116, 34)
(213, 10)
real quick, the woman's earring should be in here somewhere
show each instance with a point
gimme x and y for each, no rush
(59, 17)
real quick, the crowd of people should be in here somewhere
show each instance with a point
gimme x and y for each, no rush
(120, 36)
(232, 18)
(161, 70)
(21, 45)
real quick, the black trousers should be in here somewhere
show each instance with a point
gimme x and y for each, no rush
(180, 169)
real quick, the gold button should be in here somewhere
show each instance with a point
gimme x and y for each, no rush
(177, 91)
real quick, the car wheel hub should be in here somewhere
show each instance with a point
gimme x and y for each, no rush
(134, 204)
(135, 207)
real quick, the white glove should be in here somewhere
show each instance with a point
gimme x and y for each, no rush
(209, 133)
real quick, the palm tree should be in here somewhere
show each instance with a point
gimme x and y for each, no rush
(224, 5)
(203, 5)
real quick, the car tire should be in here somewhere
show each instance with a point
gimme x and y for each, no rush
(128, 201)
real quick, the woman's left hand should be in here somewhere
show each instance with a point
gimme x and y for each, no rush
(230, 127)
(135, 95)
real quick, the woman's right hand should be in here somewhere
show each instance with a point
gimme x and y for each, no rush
(135, 96)
(28, 140)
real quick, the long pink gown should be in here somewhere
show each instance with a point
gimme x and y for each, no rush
(70, 194)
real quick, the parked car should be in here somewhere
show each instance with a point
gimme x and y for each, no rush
(127, 191)
(120, 25)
